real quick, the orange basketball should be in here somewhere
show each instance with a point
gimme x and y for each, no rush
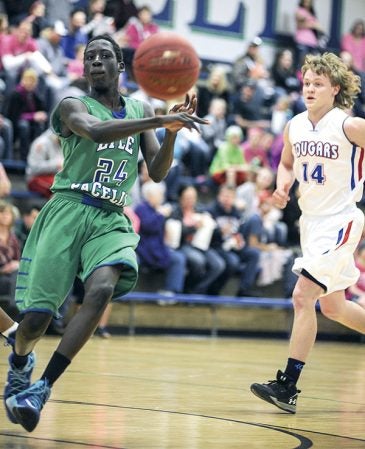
(166, 65)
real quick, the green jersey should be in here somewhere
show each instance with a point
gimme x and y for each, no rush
(103, 172)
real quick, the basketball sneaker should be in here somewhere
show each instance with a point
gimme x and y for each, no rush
(17, 381)
(281, 392)
(27, 405)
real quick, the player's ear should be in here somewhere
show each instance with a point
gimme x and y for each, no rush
(121, 67)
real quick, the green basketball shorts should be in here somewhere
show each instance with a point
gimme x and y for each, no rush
(70, 239)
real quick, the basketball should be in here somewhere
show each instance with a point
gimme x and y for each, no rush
(166, 65)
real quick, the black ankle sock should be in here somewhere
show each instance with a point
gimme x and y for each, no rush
(293, 369)
(55, 368)
(19, 360)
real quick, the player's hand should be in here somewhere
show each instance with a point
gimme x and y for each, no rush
(281, 197)
(188, 106)
(181, 116)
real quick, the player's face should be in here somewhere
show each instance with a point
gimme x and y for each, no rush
(101, 67)
(318, 91)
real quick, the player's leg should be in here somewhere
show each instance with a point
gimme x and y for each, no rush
(99, 289)
(336, 307)
(27, 405)
(283, 392)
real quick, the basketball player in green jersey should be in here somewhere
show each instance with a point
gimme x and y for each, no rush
(82, 230)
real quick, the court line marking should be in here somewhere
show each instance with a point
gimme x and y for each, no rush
(304, 442)
(218, 418)
(78, 443)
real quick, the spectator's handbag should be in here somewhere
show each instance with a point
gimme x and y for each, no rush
(203, 235)
(173, 233)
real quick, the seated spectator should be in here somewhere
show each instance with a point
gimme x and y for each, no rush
(26, 111)
(214, 132)
(281, 114)
(248, 194)
(152, 250)
(9, 252)
(273, 257)
(44, 160)
(75, 35)
(49, 44)
(283, 72)
(205, 265)
(247, 107)
(97, 22)
(140, 28)
(20, 51)
(229, 165)
(254, 150)
(36, 16)
(249, 66)
(216, 86)
(308, 31)
(228, 241)
(75, 67)
(58, 10)
(354, 43)
(137, 29)
(196, 153)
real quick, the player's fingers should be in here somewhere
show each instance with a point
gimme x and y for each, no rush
(203, 121)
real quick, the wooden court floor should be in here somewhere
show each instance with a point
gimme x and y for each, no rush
(193, 393)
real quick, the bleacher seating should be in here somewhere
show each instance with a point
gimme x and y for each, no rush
(214, 302)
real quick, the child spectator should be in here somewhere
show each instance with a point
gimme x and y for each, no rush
(229, 165)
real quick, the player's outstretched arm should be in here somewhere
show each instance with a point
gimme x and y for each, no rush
(159, 158)
(76, 119)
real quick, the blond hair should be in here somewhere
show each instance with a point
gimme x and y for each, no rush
(338, 73)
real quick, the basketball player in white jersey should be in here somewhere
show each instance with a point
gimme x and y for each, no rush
(324, 151)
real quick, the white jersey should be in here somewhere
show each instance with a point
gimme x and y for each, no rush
(328, 167)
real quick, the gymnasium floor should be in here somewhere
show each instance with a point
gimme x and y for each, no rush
(193, 393)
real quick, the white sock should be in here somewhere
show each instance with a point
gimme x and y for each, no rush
(11, 329)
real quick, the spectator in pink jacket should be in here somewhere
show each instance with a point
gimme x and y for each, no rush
(354, 43)
(140, 28)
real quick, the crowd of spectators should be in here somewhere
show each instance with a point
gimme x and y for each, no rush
(212, 219)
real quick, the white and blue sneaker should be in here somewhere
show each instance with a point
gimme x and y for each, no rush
(26, 406)
(18, 380)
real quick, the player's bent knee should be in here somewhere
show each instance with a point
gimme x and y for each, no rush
(35, 324)
(99, 294)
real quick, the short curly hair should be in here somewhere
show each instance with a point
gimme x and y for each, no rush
(335, 69)
(107, 37)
